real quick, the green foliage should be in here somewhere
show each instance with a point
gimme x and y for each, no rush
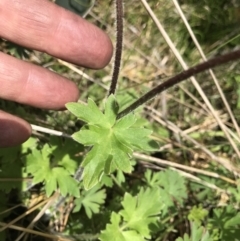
(142, 204)
(133, 222)
(91, 200)
(198, 233)
(173, 188)
(112, 141)
(236, 191)
(54, 167)
(226, 223)
(197, 214)
(144, 211)
(10, 157)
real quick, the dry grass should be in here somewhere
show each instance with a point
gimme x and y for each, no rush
(197, 122)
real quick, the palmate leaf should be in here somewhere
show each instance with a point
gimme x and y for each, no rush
(198, 233)
(87, 137)
(90, 200)
(139, 212)
(60, 178)
(64, 153)
(135, 137)
(172, 185)
(112, 141)
(88, 113)
(227, 221)
(54, 173)
(197, 214)
(133, 222)
(114, 232)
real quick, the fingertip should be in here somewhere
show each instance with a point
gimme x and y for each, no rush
(75, 94)
(98, 50)
(62, 92)
(106, 54)
(13, 130)
(84, 43)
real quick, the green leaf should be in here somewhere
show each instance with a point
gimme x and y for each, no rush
(140, 211)
(197, 214)
(64, 153)
(66, 183)
(111, 109)
(112, 141)
(113, 228)
(88, 113)
(38, 165)
(115, 233)
(132, 135)
(126, 122)
(120, 177)
(134, 220)
(54, 173)
(171, 182)
(198, 233)
(120, 156)
(91, 201)
(107, 181)
(94, 165)
(87, 137)
(185, 238)
(227, 221)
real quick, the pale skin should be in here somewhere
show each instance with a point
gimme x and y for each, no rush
(46, 27)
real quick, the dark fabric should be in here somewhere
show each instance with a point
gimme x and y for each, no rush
(79, 7)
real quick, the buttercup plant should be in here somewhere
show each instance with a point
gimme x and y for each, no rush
(102, 178)
(112, 143)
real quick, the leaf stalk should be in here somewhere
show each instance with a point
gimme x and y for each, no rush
(118, 49)
(211, 63)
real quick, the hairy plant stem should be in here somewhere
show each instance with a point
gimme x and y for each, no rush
(119, 43)
(179, 78)
(117, 64)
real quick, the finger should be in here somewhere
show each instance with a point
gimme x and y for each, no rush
(44, 26)
(13, 130)
(33, 85)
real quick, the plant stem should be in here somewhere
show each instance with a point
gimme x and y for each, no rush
(179, 78)
(119, 42)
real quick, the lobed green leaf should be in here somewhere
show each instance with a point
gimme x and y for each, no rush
(139, 212)
(125, 122)
(114, 232)
(88, 113)
(94, 165)
(86, 137)
(91, 201)
(112, 141)
(55, 175)
(172, 185)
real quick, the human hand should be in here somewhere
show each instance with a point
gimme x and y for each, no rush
(46, 27)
